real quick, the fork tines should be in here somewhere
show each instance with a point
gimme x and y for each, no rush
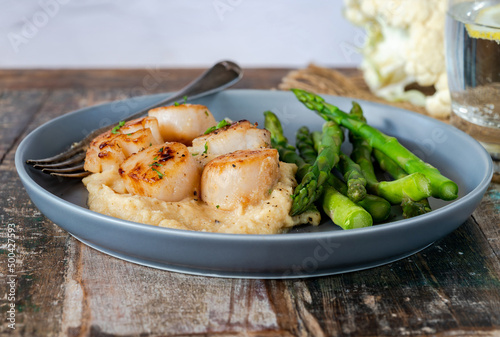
(68, 164)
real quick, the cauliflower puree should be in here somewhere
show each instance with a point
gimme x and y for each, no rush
(108, 196)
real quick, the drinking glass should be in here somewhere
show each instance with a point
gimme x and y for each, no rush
(472, 39)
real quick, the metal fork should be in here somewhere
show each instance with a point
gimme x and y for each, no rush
(70, 163)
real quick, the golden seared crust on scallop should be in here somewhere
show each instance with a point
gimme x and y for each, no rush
(108, 150)
(166, 172)
(241, 135)
(150, 123)
(184, 122)
(136, 141)
(103, 154)
(240, 178)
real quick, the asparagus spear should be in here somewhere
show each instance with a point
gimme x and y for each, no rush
(305, 145)
(389, 165)
(442, 187)
(415, 186)
(410, 207)
(341, 210)
(378, 207)
(311, 185)
(316, 138)
(351, 171)
(287, 152)
(354, 177)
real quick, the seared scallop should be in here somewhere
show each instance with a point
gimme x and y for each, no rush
(166, 172)
(108, 150)
(241, 135)
(184, 122)
(150, 123)
(240, 178)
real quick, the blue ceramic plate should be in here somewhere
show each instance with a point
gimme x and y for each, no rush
(304, 252)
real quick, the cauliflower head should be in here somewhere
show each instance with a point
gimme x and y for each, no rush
(404, 45)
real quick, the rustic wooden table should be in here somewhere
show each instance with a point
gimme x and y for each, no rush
(64, 288)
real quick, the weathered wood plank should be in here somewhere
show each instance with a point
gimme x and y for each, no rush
(16, 110)
(41, 245)
(121, 298)
(157, 79)
(451, 287)
(487, 216)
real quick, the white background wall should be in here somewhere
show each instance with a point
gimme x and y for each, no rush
(167, 33)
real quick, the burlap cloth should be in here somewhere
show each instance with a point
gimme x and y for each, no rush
(347, 83)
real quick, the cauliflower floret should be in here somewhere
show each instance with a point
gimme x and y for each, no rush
(404, 45)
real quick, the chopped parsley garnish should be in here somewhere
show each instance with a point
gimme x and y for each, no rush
(206, 148)
(160, 175)
(116, 128)
(155, 164)
(219, 125)
(176, 103)
(185, 98)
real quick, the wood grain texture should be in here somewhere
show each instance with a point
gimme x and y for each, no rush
(135, 80)
(65, 288)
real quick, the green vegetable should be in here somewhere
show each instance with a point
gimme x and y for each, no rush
(441, 187)
(311, 185)
(410, 207)
(343, 211)
(415, 186)
(305, 145)
(338, 207)
(316, 138)
(378, 207)
(351, 171)
(286, 151)
(354, 177)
